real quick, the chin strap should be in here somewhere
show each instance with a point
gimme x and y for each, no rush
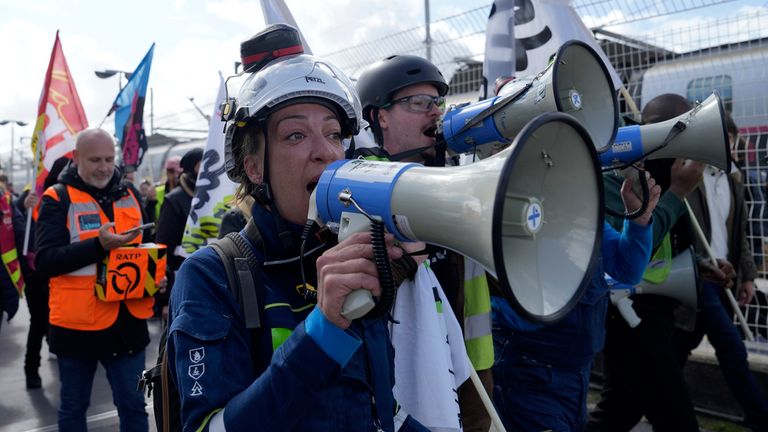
(263, 196)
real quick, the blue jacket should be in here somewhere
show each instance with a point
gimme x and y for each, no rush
(572, 342)
(308, 374)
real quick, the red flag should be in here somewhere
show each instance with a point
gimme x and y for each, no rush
(60, 116)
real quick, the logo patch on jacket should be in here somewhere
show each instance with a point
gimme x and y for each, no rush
(195, 371)
(197, 354)
(89, 221)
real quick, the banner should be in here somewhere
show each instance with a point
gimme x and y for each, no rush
(214, 191)
(499, 61)
(129, 114)
(60, 117)
(277, 12)
(541, 27)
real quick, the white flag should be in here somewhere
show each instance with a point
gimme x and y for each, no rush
(543, 26)
(430, 356)
(499, 59)
(277, 12)
(214, 191)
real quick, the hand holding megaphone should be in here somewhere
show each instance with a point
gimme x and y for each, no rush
(633, 201)
(349, 269)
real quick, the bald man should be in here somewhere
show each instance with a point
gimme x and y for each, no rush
(81, 220)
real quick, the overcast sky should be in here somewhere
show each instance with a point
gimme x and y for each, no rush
(194, 40)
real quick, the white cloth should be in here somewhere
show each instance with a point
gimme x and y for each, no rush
(719, 205)
(430, 357)
(213, 189)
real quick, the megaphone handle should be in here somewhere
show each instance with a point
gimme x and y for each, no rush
(358, 303)
(728, 293)
(497, 424)
(628, 312)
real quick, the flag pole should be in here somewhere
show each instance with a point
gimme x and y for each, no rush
(497, 424)
(105, 118)
(631, 102)
(713, 259)
(28, 228)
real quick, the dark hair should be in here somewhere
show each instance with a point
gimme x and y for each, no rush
(190, 159)
(665, 107)
(659, 109)
(248, 140)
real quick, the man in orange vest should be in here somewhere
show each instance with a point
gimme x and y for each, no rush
(81, 219)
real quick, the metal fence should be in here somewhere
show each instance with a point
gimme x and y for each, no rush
(691, 51)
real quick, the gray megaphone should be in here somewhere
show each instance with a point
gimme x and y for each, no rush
(519, 213)
(699, 134)
(682, 284)
(576, 82)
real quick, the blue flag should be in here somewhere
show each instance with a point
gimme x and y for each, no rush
(129, 114)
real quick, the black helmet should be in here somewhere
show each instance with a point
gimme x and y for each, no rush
(277, 40)
(381, 80)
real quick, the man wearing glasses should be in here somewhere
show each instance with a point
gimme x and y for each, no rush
(403, 100)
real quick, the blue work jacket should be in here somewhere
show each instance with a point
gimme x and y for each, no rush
(308, 374)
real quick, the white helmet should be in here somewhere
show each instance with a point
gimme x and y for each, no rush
(288, 80)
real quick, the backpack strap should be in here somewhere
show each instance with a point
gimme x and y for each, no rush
(166, 393)
(238, 258)
(234, 253)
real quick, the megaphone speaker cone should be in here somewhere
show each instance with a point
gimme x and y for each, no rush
(554, 161)
(531, 214)
(584, 89)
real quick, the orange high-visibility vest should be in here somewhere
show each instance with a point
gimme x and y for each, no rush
(73, 300)
(8, 251)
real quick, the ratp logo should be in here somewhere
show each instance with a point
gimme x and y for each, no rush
(125, 278)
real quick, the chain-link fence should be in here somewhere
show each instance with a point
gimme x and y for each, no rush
(688, 47)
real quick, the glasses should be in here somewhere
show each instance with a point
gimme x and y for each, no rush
(420, 103)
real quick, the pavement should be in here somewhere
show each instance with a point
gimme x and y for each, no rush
(23, 410)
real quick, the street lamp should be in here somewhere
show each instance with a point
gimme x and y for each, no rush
(106, 73)
(26, 158)
(12, 122)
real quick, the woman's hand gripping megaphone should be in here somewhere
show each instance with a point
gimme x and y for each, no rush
(347, 268)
